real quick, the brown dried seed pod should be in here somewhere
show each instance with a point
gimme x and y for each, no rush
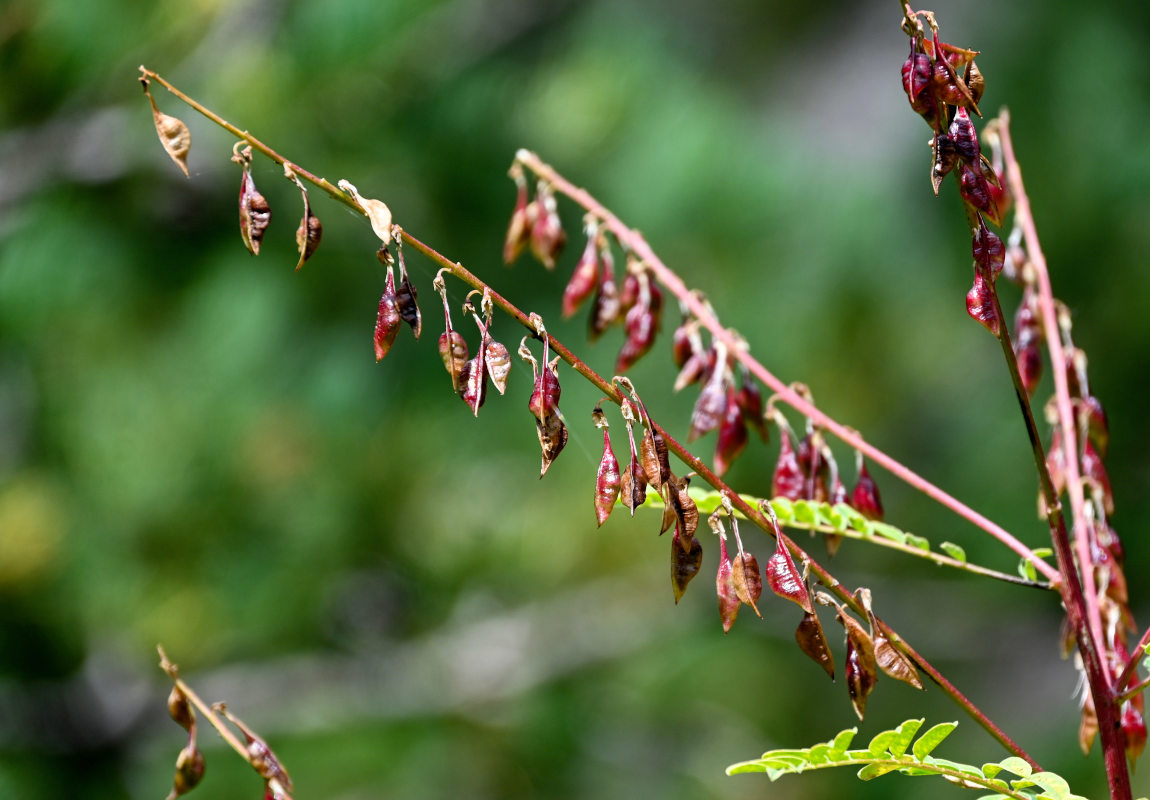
(747, 581)
(453, 351)
(686, 559)
(189, 771)
(813, 642)
(473, 383)
(174, 135)
(861, 670)
(307, 237)
(498, 364)
(255, 214)
(552, 440)
(725, 587)
(181, 709)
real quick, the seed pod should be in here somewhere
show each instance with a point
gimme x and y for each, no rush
(310, 231)
(980, 304)
(607, 479)
(585, 278)
(732, 437)
(711, 405)
(1134, 730)
(473, 383)
(498, 361)
(682, 343)
(974, 81)
(686, 512)
(813, 642)
(405, 296)
(452, 346)
(838, 495)
(255, 214)
(262, 758)
(747, 581)
(988, 251)
(964, 137)
(633, 484)
(641, 325)
(1098, 427)
(891, 660)
(788, 479)
(698, 364)
(862, 672)
(1088, 728)
(180, 709)
(686, 559)
(544, 400)
(605, 307)
(174, 135)
(725, 586)
(785, 579)
(189, 771)
(387, 319)
(975, 191)
(916, 74)
(376, 211)
(750, 400)
(813, 466)
(943, 157)
(1095, 471)
(865, 498)
(547, 234)
(552, 440)
(629, 295)
(519, 229)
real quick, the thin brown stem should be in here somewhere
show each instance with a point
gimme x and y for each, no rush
(1135, 659)
(608, 389)
(207, 711)
(634, 240)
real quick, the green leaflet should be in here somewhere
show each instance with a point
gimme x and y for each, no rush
(898, 750)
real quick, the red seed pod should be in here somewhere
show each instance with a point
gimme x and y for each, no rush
(686, 559)
(519, 229)
(916, 74)
(606, 481)
(473, 383)
(1098, 428)
(1029, 358)
(1134, 730)
(813, 642)
(605, 308)
(547, 234)
(865, 498)
(498, 362)
(629, 295)
(255, 214)
(641, 326)
(732, 438)
(725, 588)
(980, 304)
(964, 137)
(711, 405)
(785, 579)
(683, 343)
(750, 400)
(1095, 471)
(975, 190)
(698, 364)
(988, 251)
(544, 400)
(453, 351)
(585, 278)
(788, 479)
(862, 672)
(387, 318)
(814, 467)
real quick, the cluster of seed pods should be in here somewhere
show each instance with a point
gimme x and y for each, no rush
(636, 304)
(930, 78)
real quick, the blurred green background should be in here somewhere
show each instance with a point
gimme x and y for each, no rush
(196, 447)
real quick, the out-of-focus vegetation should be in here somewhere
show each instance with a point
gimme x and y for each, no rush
(196, 447)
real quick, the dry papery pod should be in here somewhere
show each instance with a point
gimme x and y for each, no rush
(189, 771)
(496, 358)
(544, 402)
(406, 294)
(861, 669)
(376, 211)
(547, 235)
(745, 575)
(255, 214)
(263, 758)
(174, 134)
(890, 659)
(522, 218)
(452, 346)
(387, 318)
(686, 559)
(711, 405)
(813, 642)
(181, 709)
(607, 479)
(634, 481)
(605, 308)
(685, 510)
(724, 581)
(310, 230)
(552, 440)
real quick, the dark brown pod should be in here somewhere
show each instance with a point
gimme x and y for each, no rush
(686, 512)
(633, 486)
(552, 440)
(813, 642)
(686, 559)
(725, 589)
(861, 670)
(405, 296)
(307, 237)
(747, 581)
(943, 157)
(974, 81)
(785, 579)
(255, 214)
(387, 319)
(181, 709)
(189, 771)
(607, 481)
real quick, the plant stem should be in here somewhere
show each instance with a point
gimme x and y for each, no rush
(635, 241)
(1132, 691)
(607, 388)
(206, 710)
(1135, 658)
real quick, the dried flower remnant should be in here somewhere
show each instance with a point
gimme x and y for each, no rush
(255, 214)
(522, 218)
(585, 279)
(607, 479)
(173, 133)
(310, 230)
(547, 235)
(686, 560)
(376, 211)
(813, 642)
(387, 318)
(452, 346)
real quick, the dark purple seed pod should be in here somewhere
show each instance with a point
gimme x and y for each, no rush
(865, 498)
(988, 250)
(861, 669)
(964, 137)
(974, 189)
(686, 559)
(387, 319)
(585, 278)
(788, 479)
(732, 438)
(980, 304)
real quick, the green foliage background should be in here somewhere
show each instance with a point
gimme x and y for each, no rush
(197, 448)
